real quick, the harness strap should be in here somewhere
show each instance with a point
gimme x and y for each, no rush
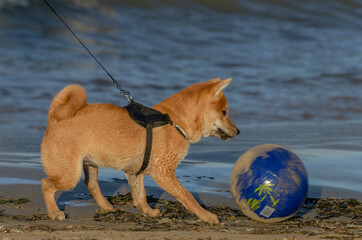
(149, 118)
(147, 156)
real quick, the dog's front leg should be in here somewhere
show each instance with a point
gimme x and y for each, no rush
(139, 195)
(167, 180)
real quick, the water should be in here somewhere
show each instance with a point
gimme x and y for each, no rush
(8, 180)
(292, 62)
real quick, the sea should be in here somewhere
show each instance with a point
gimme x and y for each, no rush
(296, 68)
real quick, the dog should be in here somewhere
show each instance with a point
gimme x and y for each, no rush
(82, 136)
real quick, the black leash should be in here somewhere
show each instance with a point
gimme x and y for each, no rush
(126, 93)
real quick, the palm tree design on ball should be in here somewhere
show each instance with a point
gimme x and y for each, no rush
(265, 189)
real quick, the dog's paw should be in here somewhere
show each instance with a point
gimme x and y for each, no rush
(154, 212)
(56, 215)
(211, 218)
(106, 210)
(150, 212)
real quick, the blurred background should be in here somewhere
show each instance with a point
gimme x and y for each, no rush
(291, 61)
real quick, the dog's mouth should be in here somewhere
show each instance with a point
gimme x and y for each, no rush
(222, 135)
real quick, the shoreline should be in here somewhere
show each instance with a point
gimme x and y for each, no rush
(113, 180)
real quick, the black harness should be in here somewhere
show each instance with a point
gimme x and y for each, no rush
(148, 118)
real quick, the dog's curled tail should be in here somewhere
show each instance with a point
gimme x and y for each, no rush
(67, 102)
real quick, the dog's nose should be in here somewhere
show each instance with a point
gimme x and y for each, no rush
(237, 132)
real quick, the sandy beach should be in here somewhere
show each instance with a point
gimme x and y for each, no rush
(29, 221)
(331, 212)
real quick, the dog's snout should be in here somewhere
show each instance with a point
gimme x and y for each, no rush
(237, 132)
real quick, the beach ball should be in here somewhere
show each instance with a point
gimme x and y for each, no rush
(269, 183)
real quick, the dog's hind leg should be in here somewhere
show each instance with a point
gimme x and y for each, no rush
(63, 174)
(91, 175)
(167, 180)
(49, 188)
(139, 195)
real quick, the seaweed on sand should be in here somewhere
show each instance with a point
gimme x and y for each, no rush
(339, 207)
(176, 217)
(13, 201)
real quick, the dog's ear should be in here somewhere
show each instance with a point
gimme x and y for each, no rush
(219, 86)
(215, 80)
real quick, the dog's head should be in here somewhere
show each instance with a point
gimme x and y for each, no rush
(217, 122)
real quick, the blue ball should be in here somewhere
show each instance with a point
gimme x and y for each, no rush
(269, 183)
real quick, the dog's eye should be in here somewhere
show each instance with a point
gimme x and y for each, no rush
(224, 113)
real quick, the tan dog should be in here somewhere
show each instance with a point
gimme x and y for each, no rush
(84, 136)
